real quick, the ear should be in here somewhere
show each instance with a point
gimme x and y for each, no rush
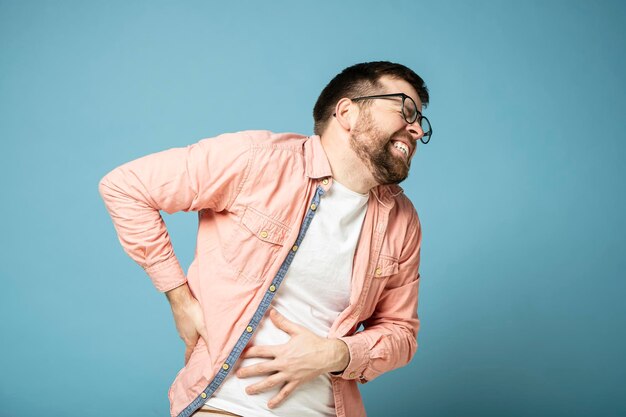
(346, 113)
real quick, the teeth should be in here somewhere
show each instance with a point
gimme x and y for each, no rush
(402, 147)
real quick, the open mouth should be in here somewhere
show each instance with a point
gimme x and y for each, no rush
(402, 148)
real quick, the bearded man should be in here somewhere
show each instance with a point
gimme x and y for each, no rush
(305, 276)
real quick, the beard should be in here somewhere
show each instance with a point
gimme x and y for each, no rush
(373, 147)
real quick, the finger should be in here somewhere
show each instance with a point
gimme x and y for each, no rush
(257, 369)
(260, 352)
(203, 334)
(205, 337)
(267, 384)
(282, 323)
(284, 393)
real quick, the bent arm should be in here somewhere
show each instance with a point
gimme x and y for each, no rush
(389, 338)
(204, 175)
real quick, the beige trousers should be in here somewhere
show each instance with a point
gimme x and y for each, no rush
(208, 411)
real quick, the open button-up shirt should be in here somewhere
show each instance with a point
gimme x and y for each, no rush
(255, 193)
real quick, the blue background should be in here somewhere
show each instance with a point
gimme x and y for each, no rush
(520, 192)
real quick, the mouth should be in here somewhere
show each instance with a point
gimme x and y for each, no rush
(401, 149)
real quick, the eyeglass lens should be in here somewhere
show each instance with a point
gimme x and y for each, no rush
(410, 113)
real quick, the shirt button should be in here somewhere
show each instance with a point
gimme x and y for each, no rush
(264, 234)
(325, 181)
(379, 271)
(272, 288)
(225, 367)
(203, 395)
(294, 248)
(352, 374)
(249, 329)
(313, 206)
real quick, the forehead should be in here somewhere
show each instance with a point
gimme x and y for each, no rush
(396, 85)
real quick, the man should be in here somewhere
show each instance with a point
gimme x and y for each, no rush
(305, 277)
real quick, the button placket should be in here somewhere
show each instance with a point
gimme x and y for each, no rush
(260, 312)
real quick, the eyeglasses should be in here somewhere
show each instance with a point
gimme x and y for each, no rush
(409, 112)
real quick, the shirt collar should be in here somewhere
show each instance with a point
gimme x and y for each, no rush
(386, 194)
(315, 159)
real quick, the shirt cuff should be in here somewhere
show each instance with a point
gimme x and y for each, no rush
(359, 358)
(166, 275)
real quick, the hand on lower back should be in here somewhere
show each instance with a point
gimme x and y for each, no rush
(188, 318)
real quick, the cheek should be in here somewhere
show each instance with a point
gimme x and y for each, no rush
(391, 122)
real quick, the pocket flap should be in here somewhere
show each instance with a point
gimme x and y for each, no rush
(387, 265)
(263, 227)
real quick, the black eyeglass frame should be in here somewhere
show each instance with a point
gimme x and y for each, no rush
(418, 114)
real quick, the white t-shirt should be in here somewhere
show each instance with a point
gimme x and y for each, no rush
(314, 292)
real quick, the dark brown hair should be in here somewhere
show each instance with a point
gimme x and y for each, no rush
(361, 80)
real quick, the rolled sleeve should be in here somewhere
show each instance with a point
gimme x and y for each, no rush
(359, 357)
(167, 275)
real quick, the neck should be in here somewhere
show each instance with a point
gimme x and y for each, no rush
(346, 166)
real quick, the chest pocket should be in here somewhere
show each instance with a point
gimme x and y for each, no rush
(387, 265)
(385, 268)
(254, 245)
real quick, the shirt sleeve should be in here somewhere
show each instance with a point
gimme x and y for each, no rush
(205, 175)
(389, 338)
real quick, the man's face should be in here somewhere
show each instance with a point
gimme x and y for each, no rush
(381, 133)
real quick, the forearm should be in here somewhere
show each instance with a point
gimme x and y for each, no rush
(179, 296)
(181, 301)
(204, 175)
(389, 338)
(140, 228)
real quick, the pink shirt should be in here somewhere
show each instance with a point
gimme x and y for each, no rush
(253, 191)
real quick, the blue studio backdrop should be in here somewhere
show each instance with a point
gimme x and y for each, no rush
(520, 191)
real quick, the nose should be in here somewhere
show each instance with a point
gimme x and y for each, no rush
(415, 130)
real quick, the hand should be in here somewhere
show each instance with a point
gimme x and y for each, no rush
(188, 318)
(303, 358)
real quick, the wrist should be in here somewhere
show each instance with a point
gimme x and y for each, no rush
(179, 297)
(341, 356)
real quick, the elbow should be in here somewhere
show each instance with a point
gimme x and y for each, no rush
(406, 347)
(412, 349)
(107, 185)
(104, 188)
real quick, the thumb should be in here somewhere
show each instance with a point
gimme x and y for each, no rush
(201, 329)
(188, 351)
(282, 323)
(203, 334)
